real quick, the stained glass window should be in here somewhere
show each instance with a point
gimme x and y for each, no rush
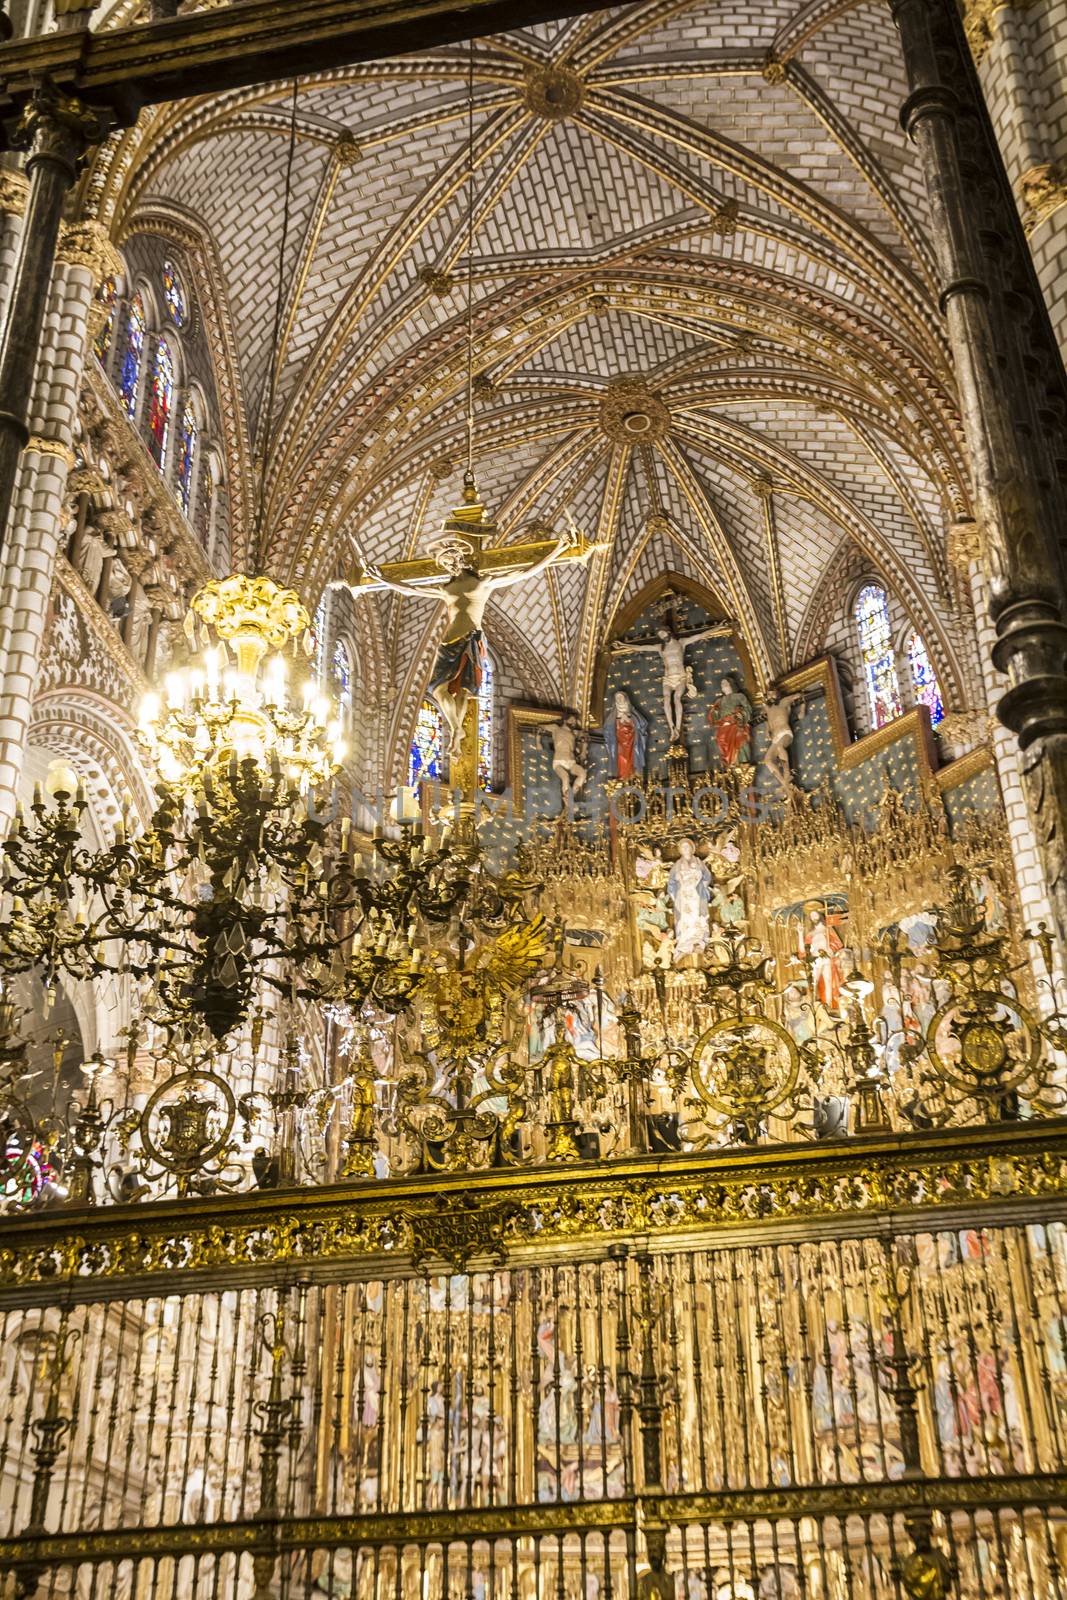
(102, 342)
(876, 647)
(427, 745)
(173, 295)
(485, 725)
(130, 378)
(924, 682)
(186, 456)
(341, 671)
(160, 402)
(318, 637)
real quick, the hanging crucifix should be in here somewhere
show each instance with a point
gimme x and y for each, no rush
(461, 570)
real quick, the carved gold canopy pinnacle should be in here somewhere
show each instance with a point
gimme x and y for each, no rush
(632, 413)
(240, 605)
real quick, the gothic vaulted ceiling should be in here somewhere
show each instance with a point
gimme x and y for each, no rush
(700, 268)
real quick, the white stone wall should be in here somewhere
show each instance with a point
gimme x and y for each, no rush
(35, 531)
(1029, 875)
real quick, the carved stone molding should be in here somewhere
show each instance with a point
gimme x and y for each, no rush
(13, 191)
(1043, 190)
(964, 543)
(86, 244)
(36, 444)
(979, 21)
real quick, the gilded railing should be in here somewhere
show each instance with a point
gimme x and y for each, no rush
(823, 1371)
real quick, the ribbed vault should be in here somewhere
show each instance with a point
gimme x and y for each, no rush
(696, 202)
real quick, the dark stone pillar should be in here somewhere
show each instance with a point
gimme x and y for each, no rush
(1013, 400)
(56, 130)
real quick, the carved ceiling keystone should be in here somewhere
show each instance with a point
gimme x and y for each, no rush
(554, 93)
(632, 413)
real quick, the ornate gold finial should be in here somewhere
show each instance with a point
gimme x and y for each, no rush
(240, 606)
(632, 413)
(554, 93)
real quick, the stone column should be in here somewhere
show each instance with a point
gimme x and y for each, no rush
(155, 616)
(55, 130)
(28, 557)
(1013, 402)
(1030, 886)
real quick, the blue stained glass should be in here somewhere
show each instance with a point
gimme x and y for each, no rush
(186, 457)
(485, 724)
(924, 679)
(160, 404)
(173, 295)
(876, 647)
(427, 745)
(342, 675)
(130, 378)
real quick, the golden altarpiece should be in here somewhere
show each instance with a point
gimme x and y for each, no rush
(653, 1186)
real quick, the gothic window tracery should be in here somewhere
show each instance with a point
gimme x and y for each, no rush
(427, 745)
(318, 636)
(876, 650)
(173, 294)
(187, 440)
(485, 725)
(161, 402)
(130, 377)
(924, 684)
(341, 675)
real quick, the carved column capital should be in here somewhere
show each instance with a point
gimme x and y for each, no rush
(964, 543)
(86, 244)
(56, 127)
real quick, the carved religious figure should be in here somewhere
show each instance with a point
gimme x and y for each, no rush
(626, 737)
(689, 887)
(472, 572)
(568, 754)
(824, 945)
(779, 735)
(730, 719)
(678, 682)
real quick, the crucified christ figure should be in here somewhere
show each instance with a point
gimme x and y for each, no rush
(677, 677)
(457, 671)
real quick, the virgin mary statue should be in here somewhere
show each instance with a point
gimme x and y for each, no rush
(689, 887)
